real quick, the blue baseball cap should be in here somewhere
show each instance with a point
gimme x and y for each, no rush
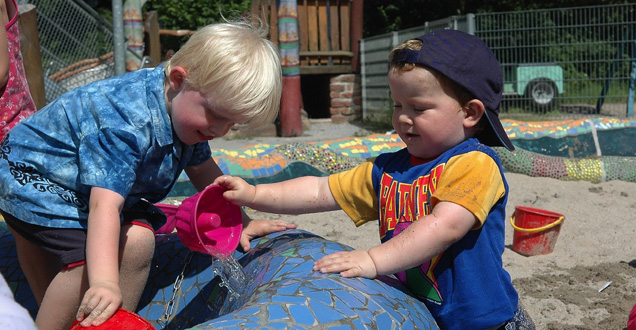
(466, 60)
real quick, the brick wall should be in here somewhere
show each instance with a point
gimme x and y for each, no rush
(346, 98)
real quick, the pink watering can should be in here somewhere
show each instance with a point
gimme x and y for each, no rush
(206, 222)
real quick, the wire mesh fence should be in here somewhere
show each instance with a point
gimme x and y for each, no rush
(557, 63)
(76, 44)
(574, 61)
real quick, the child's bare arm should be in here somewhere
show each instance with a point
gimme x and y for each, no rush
(203, 175)
(420, 242)
(307, 194)
(103, 297)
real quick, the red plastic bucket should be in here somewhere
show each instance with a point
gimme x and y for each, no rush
(536, 230)
(122, 320)
(631, 321)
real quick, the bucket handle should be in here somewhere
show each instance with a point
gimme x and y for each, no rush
(534, 230)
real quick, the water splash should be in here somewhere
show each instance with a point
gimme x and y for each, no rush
(233, 278)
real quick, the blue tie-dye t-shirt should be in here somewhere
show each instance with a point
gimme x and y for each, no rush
(115, 134)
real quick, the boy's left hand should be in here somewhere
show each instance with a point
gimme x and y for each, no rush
(258, 228)
(348, 264)
(100, 302)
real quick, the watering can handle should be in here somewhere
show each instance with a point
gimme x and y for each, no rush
(534, 230)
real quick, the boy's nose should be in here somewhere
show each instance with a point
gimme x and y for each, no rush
(406, 119)
(221, 129)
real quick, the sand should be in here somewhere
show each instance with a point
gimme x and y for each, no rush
(560, 290)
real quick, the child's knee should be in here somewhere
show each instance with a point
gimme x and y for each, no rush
(138, 243)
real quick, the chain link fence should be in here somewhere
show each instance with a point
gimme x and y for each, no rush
(557, 63)
(76, 44)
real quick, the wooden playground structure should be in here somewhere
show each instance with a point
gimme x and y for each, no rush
(328, 35)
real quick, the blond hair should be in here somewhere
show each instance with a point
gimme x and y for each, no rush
(235, 63)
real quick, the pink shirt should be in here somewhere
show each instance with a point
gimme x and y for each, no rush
(16, 100)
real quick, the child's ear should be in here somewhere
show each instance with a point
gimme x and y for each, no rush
(176, 77)
(473, 110)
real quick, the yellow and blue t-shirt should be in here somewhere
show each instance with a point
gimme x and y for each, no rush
(465, 286)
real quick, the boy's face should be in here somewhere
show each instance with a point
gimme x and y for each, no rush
(195, 116)
(425, 116)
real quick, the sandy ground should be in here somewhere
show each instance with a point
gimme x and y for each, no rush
(560, 290)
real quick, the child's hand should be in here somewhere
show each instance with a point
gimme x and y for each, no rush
(348, 264)
(258, 228)
(100, 302)
(238, 191)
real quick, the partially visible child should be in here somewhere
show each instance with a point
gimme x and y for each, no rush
(440, 201)
(4, 46)
(79, 177)
(12, 314)
(15, 98)
(16, 104)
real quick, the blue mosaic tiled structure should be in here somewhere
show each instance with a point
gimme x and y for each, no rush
(282, 291)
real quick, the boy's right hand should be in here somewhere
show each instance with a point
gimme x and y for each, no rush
(356, 263)
(100, 302)
(261, 227)
(238, 191)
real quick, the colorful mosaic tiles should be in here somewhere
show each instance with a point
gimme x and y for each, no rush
(597, 170)
(561, 128)
(328, 157)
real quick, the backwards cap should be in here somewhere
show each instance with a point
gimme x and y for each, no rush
(466, 60)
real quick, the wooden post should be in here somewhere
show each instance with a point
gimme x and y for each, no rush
(291, 99)
(356, 32)
(31, 55)
(151, 24)
(290, 105)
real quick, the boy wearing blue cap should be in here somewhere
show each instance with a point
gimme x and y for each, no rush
(440, 201)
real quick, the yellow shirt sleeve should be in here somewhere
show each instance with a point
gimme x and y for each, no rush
(473, 181)
(353, 191)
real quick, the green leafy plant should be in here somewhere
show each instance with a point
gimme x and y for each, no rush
(192, 15)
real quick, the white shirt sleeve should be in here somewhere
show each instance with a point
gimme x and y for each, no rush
(12, 314)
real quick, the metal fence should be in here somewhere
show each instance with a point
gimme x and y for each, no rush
(557, 63)
(76, 44)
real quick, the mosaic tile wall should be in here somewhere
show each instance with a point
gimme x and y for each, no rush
(264, 160)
